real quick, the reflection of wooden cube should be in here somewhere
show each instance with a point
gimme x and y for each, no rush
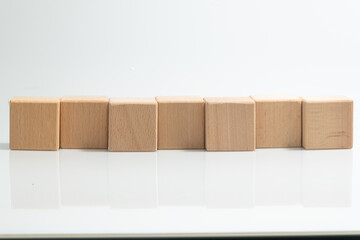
(133, 124)
(181, 122)
(238, 177)
(84, 178)
(327, 122)
(34, 123)
(84, 122)
(132, 180)
(34, 174)
(180, 178)
(278, 121)
(230, 124)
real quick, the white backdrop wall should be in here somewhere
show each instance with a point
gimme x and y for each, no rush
(150, 48)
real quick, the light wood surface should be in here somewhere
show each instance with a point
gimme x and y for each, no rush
(278, 121)
(229, 124)
(84, 122)
(85, 99)
(277, 98)
(181, 123)
(35, 99)
(179, 99)
(327, 122)
(132, 124)
(34, 123)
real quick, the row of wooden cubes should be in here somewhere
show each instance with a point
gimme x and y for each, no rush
(148, 124)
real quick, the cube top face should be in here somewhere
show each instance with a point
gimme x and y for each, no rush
(34, 123)
(181, 123)
(84, 122)
(220, 100)
(133, 125)
(327, 123)
(276, 98)
(121, 101)
(326, 99)
(26, 99)
(179, 99)
(86, 99)
(278, 121)
(230, 124)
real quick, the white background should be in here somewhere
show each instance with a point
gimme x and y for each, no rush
(150, 48)
(206, 48)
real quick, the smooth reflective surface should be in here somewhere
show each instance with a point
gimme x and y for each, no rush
(269, 190)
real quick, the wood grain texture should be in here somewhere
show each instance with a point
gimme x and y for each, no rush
(84, 122)
(133, 124)
(181, 123)
(229, 124)
(327, 122)
(278, 121)
(34, 123)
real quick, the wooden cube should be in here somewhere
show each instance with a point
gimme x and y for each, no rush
(278, 121)
(230, 124)
(132, 124)
(34, 123)
(327, 122)
(181, 122)
(84, 122)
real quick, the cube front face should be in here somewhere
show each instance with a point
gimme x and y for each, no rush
(34, 125)
(181, 125)
(84, 124)
(230, 126)
(278, 123)
(133, 127)
(327, 125)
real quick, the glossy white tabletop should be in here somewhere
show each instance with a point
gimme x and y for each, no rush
(97, 193)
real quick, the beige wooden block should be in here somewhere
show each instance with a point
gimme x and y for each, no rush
(132, 124)
(181, 122)
(278, 121)
(327, 122)
(34, 123)
(229, 124)
(84, 122)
